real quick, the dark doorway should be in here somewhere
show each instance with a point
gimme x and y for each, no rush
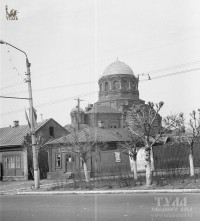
(69, 162)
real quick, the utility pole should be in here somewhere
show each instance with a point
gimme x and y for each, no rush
(32, 118)
(32, 121)
(78, 112)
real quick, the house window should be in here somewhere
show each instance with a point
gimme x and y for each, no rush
(17, 162)
(51, 131)
(5, 162)
(58, 160)
(12, 162)
(117, 157)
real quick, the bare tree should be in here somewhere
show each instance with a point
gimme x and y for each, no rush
(130, 146)
(186, 133)
(84, 143)
(142, 123)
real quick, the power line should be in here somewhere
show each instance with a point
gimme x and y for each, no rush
(20, 98)
(171, 74)
(128, 46)
(12, 63)
(87, 94)
(49, 103)
(172, 67)
(13, 85)
(89, 82)
(54, 87)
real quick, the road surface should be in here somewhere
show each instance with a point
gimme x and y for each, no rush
(107, 207)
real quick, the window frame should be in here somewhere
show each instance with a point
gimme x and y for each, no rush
(13, 161)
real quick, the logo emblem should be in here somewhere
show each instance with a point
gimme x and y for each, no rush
(12, 15)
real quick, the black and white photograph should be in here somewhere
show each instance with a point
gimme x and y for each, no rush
(100, 110)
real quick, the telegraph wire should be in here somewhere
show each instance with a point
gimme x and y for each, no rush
(12, 64)
(172, 67)
(36, 76)
(50, 103)
(89, 93)
(129, 46)
(171, 74)
(54, 87)
(13, 85)
(64, 99)
(148, 73)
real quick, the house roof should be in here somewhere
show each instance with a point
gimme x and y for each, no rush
(102, 109)
(100, 135)
(14, 136)
(95, 135)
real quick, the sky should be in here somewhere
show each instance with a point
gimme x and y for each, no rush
(70, 43)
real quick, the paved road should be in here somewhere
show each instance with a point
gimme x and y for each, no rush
(108, 207)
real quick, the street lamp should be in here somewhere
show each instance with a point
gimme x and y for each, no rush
(33, 138)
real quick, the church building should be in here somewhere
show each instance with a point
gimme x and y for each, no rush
(118, 91)
(105, 120)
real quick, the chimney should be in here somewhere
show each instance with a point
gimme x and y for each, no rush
(15, 123)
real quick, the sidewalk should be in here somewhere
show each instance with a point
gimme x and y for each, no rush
(27, 188)
(16, 186)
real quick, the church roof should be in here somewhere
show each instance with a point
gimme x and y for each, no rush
(70, 127)
(102, 110)
(117, 67)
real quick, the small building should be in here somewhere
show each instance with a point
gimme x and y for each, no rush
(104, 158)
(13, 152)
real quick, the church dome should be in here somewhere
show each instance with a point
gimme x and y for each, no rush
(118, 67)
(75, 109)
(77, 115)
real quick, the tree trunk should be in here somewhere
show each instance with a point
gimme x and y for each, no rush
(148, 166)
(36, 179)
(148, 174)
(86, 172)
(135, 168)
(134, 157)
(191, 164)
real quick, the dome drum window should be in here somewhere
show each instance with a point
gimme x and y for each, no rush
(106, 86)
(116, 85)
(125, 85)
(101, 87)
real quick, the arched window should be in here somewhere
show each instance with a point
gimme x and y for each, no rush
(125, 84)
(106, 86)
(115, 85)
(100, 87)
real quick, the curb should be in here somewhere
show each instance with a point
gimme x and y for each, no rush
(109, 192)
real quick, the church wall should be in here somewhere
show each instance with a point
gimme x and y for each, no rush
(107, 120)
